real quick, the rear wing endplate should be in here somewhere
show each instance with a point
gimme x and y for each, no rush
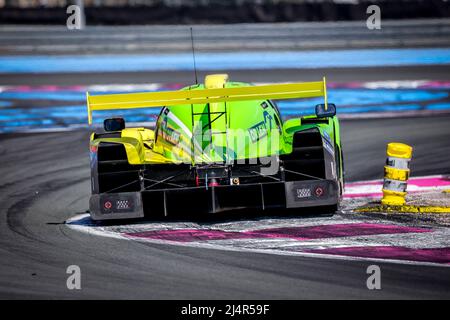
(186, 97)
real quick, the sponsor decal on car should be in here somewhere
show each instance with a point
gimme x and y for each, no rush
(260, 130)
(169, 134)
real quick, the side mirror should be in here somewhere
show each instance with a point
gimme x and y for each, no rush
(329, 112)
(114, 124)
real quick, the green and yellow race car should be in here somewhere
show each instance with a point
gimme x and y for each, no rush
(216, 146)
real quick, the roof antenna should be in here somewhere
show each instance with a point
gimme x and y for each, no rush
(193, 57)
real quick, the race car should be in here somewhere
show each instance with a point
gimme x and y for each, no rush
(217, 146)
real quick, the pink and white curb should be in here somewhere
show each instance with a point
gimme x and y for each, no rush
(374, 247)
(343, 236)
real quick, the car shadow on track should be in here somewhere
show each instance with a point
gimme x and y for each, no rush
(223, 217)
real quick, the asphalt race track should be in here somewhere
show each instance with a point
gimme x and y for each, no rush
(45, 181)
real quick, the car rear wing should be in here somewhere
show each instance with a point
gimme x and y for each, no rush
(183, 97)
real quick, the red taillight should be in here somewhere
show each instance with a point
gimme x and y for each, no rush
(94, 148)
(213, 183)
(319, 191)
(197, 181)
(107, 205)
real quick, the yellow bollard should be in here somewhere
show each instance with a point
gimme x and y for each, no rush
(396, 174)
